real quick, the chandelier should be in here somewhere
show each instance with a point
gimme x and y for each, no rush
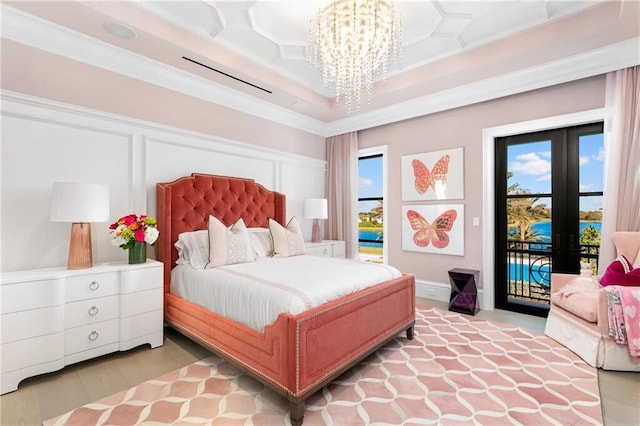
(353, 43)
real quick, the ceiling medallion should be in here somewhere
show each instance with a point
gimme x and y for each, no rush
(353, 43)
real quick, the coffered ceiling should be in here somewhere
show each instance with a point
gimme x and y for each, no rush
(254, 51)
(273, 34)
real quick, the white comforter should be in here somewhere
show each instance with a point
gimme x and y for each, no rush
(255, 293)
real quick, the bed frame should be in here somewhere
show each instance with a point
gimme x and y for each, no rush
(297, 354)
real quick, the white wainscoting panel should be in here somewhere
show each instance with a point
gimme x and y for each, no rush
(170, 160)
(45, 142)
(35, 154)
(313, 186)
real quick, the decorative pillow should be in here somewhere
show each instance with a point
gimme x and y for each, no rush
(286, 241)
(580, 297)
(193, 247)
(621, 272)
(261, 241)
(229, 245)
(183, 255)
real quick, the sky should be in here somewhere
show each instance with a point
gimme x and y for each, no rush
(530, 164)
(370, 171)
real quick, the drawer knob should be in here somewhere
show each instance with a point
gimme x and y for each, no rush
(93, 285)
(93, 310)
(93, 336)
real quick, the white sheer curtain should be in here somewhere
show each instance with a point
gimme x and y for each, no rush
(622, 168)
(342, 187)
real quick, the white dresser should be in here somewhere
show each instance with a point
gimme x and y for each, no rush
(54, 317)
(327, 248)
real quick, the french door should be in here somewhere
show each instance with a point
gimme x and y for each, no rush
(548, 211)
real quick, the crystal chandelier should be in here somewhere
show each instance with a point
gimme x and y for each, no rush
(353, 43)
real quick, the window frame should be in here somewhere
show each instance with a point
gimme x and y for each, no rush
(377, 151)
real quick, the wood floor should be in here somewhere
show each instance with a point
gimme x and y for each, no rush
(43, 397)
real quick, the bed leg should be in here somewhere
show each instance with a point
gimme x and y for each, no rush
(410, 333)
(296, 412)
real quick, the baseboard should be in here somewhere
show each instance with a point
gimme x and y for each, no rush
(438, 291)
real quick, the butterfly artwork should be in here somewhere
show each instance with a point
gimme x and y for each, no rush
(425, 179)
(434, 229)
(436, 175)
(436, 233)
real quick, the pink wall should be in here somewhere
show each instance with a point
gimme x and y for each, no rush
(463, 127)
(38, 73)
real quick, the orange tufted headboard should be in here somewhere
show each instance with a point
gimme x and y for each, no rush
(186, 203)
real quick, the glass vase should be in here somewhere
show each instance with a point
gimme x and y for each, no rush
(138, 253)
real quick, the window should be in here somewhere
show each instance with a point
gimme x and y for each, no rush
(371, 190)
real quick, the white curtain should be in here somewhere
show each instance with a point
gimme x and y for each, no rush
(622, 167)
(342, 187)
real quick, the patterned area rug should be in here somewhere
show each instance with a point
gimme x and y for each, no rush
(458, 370)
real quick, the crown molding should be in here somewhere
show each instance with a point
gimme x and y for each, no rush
(45, 35)
(41, 34)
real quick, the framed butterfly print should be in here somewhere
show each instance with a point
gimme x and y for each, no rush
(437, 175)
(434, 228)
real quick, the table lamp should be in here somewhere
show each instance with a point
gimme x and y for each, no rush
(80, 204)
(316, 209)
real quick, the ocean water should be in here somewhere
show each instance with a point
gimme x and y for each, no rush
(543, 229)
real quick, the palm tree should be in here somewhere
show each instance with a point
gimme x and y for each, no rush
(529, 234)
(523, 212)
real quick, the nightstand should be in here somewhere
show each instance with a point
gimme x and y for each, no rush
(326, 248)
(464, 291)
(56, 317)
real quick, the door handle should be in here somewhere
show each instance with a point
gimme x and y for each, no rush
(573, 247)
(557, 246)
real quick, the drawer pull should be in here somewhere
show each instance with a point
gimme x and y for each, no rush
(93, 336)
(93, 310)
(93, 285)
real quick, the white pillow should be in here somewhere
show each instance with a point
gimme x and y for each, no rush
(193, 247)
(229, 245)
(261, 241)
(183, 255)
(287, 241)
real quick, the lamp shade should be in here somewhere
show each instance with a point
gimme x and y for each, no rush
(315, 208)
(79, 202)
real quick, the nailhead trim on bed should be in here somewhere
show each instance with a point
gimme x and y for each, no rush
(350, 359)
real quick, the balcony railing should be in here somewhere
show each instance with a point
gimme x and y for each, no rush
(589, 254)
(529, 271)
(529, 268)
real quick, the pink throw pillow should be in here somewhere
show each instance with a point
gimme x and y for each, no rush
(580, 297)
(621, 272)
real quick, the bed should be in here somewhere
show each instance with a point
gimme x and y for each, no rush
(297, 354)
